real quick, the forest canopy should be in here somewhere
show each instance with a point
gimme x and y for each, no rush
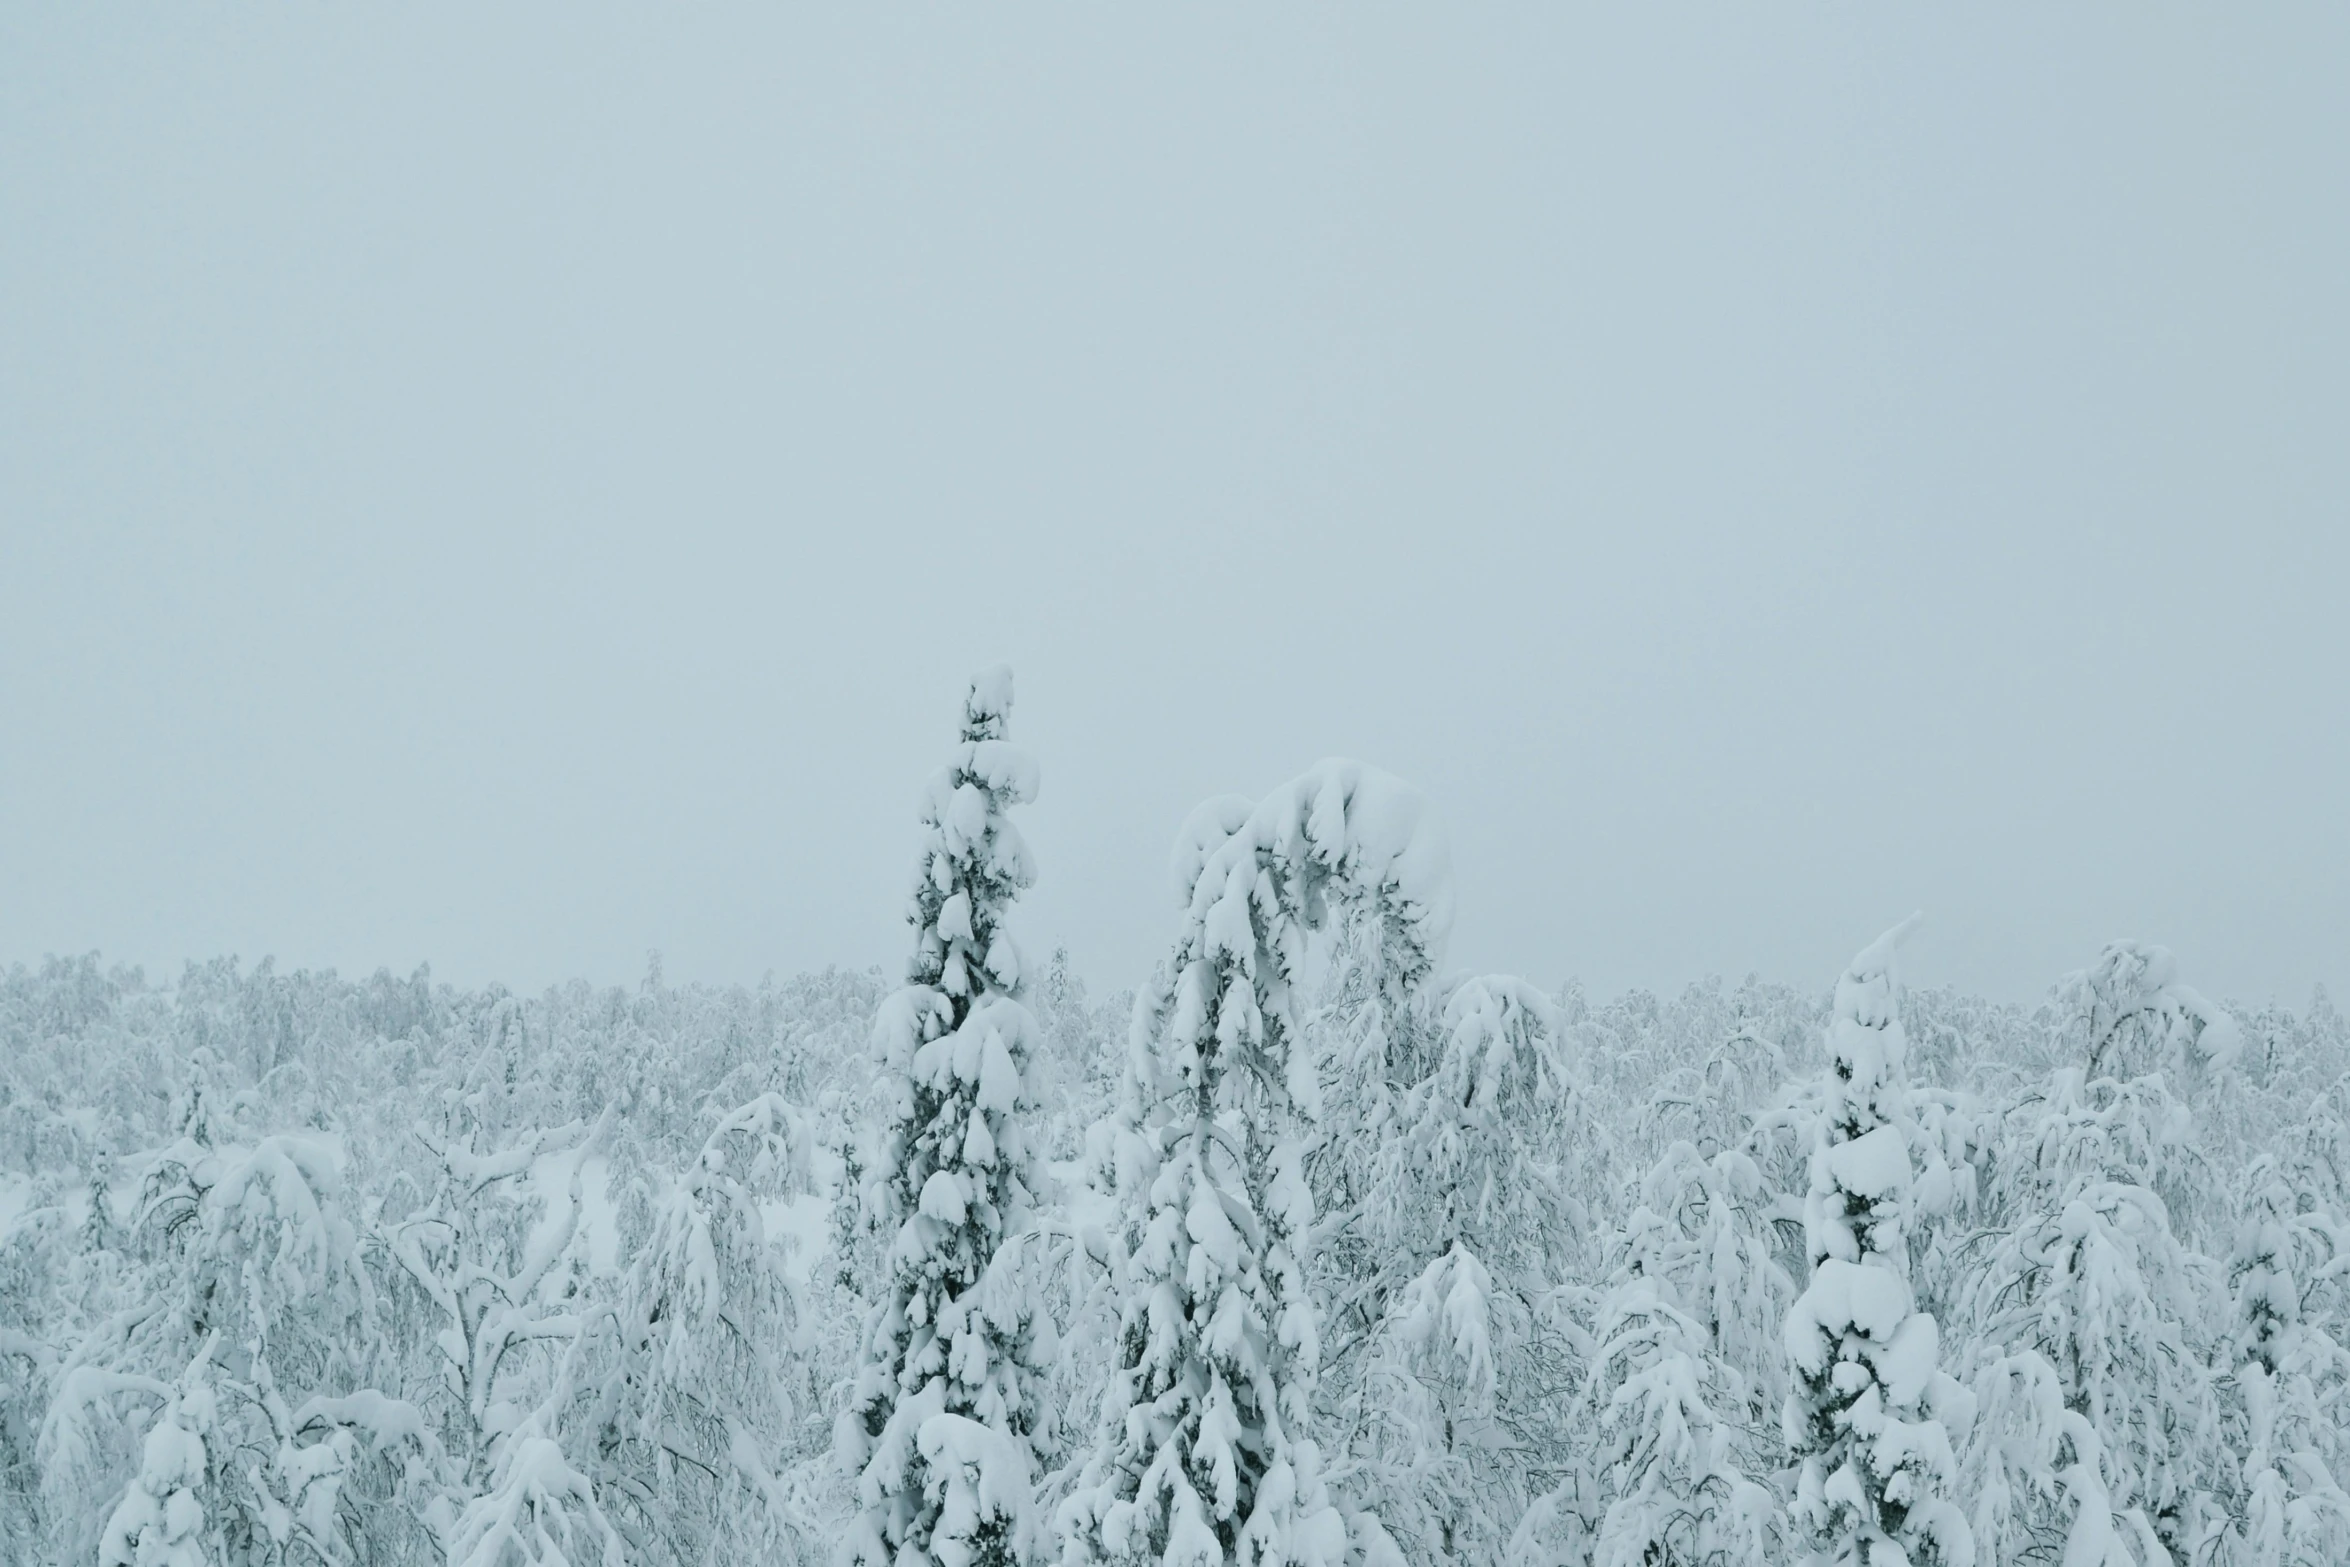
(1315, 1250)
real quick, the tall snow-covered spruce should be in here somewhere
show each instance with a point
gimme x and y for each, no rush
(1871, 1414)
(1204, 1456)
(938, 1425)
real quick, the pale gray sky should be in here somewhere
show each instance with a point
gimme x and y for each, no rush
(518, 486)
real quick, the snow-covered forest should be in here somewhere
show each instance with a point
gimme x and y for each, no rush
(1318, 1250)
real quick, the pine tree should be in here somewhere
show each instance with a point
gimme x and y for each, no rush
(938, 1428)
(1871, 1414)
(1204, 1455)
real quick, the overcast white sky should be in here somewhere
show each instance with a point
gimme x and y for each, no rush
(517, 487)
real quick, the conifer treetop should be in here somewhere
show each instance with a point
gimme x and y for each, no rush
(973, 861)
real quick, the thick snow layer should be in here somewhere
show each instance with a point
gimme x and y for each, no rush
(599, 1222)
(1875, 961)
(1908, 1364)
(1874, 1166)
(991, 692)
(1845, 1297)
(1204, 831)
(1008, 769)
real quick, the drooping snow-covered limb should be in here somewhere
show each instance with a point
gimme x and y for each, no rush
(1871, 1415)
(958, 1179)
(2129, 1015)
(1204, 1455)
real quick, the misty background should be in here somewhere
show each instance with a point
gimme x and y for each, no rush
(518, 490)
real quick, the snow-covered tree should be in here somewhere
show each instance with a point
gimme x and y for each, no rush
(692, 1420)
(269, 1308)
(1684, 1371)
(2036, 1474)
(2291, 1377)
(2129, 1016)
(2101, 1291)
(477, 1262)
(1450, 1230)
(1872, 1416)
(938, 1430)
(160, 1521)
(2099, 1189)
(1205, 1456)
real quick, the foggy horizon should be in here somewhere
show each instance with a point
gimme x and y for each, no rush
(524, 505)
